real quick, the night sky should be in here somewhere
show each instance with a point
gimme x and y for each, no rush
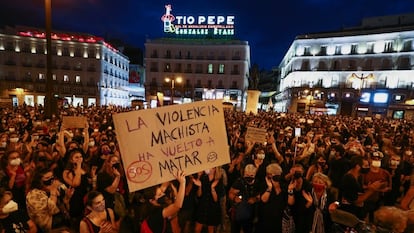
(270, 26)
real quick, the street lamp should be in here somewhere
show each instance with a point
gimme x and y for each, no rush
(173, 81)
(49, 103)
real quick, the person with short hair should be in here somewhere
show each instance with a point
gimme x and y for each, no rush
(244, 191)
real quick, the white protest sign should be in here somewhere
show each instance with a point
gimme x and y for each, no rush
(155, 143)
(256, 134)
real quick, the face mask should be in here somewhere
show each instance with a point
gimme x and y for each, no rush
(162, 200)
(96, 130)
(11, 129)
(14, 140)
(289, 134)
(376, 163)
(297, 175)
(409, 153)
(49, 181)
(3, 144)
(318, 187)
(395, 163)
(106, 152)
(364, 170)
(375, 148)
(15, 162)
(276, 178)
(100, 208)
(91, 143)
(207, 171)
(11, 206)
(249, 179)
(260, 156)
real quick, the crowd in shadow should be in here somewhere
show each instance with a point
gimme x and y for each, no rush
(55, 178)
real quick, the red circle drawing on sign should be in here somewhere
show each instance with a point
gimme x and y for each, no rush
(139, 171)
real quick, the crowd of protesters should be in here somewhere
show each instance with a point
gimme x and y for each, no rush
(59, 179)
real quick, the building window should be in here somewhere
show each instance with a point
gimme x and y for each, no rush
(167, 67)
(210, 68)
(77, 79)
(221, 69)
(65, 51)
(54, 77)
(66, 78)
(42, 76)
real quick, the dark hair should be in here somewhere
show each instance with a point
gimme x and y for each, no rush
(340, 149)
(5, 158)
(90, 196)
(39, 172)
(357, 160)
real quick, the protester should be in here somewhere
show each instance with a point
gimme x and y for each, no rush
(159, 208)
(244, 194)
(98, 218)
(47, 201)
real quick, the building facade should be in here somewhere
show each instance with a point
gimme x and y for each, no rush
(85, 69)
(185, 70)
(361, 71)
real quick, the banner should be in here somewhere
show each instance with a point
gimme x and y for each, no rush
(156, 143)
(74, 122)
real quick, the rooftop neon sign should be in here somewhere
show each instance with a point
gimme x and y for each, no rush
(218, 25)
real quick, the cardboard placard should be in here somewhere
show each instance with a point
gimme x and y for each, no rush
(75, 122)
(256, 134)
(156, 143)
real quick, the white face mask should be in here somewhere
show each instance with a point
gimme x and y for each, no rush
(14, 139)
(207, 171)
(11, 206)
(260, 156)
(376, 163)
(11, 129)
(395, 163)
(91, 143)
(15, 162)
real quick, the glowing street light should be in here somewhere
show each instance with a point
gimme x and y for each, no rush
(173, 81)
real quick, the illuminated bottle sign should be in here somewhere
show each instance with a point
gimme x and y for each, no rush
(197, 25)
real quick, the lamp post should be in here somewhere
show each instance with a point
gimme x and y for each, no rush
(49, 103)
(173, 81)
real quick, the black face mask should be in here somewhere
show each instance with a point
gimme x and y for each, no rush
(297, 175)
(276, 178)
(162, 200)
(49, 181)
(364, 170)
(249, 179)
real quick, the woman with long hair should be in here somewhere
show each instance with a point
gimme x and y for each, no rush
(47, 201)
(76, 175)
(99, 218)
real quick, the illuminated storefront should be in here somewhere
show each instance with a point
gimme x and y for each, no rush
(363, 71)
